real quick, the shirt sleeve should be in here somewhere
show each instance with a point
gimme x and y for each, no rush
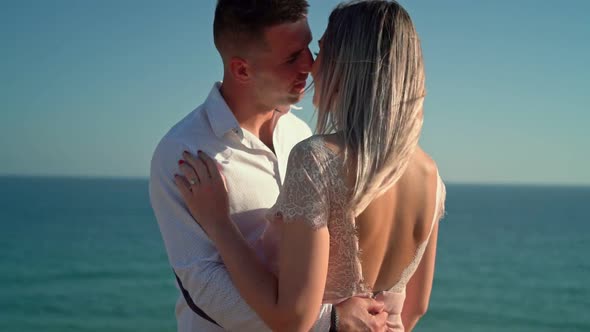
(194, 257)
(304, 196)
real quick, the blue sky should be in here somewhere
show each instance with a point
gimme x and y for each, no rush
(87, 88)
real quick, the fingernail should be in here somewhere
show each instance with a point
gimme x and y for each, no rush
(180, 162)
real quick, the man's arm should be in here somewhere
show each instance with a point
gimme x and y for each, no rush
(192, 255)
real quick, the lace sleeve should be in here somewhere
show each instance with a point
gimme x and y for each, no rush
(304, 195)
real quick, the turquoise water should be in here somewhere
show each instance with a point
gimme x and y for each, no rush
(86, 255)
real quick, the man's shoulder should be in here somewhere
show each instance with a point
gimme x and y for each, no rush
(193, 124)
(193, 127)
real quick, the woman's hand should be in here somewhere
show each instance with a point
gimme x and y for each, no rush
(204, 192)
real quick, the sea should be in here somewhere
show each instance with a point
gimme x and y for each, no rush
(86, 255)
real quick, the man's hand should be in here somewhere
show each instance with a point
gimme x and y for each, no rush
(361, 314)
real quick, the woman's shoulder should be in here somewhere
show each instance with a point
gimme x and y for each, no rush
(423, 166)
(422, 182)
(419, 182)
(320, 145)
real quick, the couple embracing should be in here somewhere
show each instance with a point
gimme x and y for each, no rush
(268, 227)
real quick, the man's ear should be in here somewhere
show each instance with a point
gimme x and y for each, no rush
(239, 69)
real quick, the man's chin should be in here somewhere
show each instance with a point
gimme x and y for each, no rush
(295, 98)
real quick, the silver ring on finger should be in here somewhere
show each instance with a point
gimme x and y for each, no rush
(193, 181)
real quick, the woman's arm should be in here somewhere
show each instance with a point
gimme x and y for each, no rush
(420, 285)
(290, 301)
(303, 269)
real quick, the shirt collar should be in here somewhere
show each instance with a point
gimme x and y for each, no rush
(221, 118)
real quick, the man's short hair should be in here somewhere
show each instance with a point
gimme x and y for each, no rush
(240, 24)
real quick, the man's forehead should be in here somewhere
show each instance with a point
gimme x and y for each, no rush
(288, 37)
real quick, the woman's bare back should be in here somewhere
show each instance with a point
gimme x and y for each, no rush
(393, 226)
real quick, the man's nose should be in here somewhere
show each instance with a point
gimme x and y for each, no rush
(307, 61)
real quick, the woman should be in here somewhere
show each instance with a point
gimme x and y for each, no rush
(358, 212)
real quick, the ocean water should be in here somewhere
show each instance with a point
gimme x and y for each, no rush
(86, 255)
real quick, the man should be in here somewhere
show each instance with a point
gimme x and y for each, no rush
(246, 125)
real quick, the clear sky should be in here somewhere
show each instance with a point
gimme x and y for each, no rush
(87, 88)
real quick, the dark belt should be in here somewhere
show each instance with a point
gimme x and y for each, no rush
(192, 304)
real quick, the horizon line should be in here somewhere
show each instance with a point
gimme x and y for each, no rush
(146, 178)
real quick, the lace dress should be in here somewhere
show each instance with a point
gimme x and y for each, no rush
(314, 191)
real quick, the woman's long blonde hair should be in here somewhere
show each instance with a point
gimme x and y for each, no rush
(371, 88)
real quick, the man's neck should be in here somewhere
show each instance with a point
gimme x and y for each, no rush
(257, 119)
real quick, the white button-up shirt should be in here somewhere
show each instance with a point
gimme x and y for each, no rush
(254, 176)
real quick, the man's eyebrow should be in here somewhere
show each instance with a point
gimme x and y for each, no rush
(294, 54)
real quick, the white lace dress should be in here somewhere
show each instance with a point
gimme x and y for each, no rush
(314, 192)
